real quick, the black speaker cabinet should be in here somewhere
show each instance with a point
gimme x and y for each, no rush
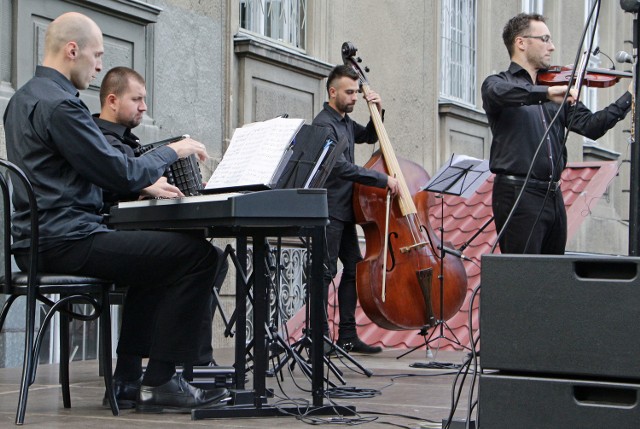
(509, 402)
(575, 316)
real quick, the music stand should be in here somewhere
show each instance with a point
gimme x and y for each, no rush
(461, 176)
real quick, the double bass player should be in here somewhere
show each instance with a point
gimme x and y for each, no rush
(341, 235)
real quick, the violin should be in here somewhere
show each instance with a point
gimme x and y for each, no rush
(594, 77)
(399, 283)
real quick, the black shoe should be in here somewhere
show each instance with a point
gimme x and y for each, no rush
(177, 395)
(357, 346)
(126, 393)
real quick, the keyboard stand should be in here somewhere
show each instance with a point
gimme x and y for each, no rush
(254, 403)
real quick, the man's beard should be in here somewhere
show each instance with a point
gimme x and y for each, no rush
(132, 123)
(347, 108)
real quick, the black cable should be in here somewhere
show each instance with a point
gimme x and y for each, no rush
(436, 365)
(474, 355)
(472, 358)
(347, 392)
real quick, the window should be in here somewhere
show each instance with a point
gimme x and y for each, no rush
(533, 6)
(281, 20)
(458, 70)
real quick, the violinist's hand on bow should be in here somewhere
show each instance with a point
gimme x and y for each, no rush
(189, 146)
(161, 189)
(557, 93)
(374, 97)
(392, 185)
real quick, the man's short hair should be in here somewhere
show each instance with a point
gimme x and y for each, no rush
(517, 26)
(339, 72)
(116, 82)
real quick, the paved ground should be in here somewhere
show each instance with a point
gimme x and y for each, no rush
(396, 393)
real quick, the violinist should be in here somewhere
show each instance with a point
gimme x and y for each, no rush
(341, 235)
(519, 112)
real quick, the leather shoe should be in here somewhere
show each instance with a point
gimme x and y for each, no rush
(356, 345)
(126, 393)
(177, 395)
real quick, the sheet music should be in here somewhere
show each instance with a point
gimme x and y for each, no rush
(255, 153)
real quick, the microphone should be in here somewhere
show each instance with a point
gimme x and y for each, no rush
(623, 57)
(453, 252)
(630, 5)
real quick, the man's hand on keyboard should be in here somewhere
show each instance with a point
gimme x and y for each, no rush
(161, 189)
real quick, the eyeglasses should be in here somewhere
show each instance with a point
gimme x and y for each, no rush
(545, 39)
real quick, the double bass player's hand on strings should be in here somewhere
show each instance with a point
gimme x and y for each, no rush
(392, 185)
(374, 97)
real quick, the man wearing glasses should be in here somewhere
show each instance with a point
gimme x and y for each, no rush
(519, 113)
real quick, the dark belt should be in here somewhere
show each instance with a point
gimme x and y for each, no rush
(531, 183)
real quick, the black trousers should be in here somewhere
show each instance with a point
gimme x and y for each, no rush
(523, 234)
(169, 276)
(342, 244)
(205, 348)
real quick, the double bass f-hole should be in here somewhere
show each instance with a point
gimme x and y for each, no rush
(392, 234)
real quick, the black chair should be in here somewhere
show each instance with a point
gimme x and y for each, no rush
(36, 286)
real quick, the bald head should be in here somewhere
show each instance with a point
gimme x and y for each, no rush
(73, 46)
(69, 27)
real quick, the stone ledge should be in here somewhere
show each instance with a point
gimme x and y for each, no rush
(250, 46)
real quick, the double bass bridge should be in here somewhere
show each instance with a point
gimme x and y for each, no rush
(407, 249)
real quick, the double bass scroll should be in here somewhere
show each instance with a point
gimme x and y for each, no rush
(410, 269)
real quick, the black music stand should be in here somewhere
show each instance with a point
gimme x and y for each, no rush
(314, 155)
(461, 176)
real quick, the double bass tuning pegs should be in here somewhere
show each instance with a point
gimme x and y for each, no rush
(359, 60)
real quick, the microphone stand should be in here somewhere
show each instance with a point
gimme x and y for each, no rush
(473, 237)
(459, 252)
(634, 179)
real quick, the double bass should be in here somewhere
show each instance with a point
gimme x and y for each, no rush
(400, 279)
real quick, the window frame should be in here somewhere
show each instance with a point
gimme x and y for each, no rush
(253, 18)
(459, 51)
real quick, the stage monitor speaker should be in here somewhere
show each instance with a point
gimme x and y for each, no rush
(575, 316)
(508, 402)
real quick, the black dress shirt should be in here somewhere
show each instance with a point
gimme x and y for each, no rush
(126, 142)
(52, 137)
(339, 184)
(519, 113)
(118, 136)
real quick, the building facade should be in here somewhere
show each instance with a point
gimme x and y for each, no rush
(216, 65)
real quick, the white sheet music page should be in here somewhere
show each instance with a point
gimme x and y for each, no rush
(254, 154)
